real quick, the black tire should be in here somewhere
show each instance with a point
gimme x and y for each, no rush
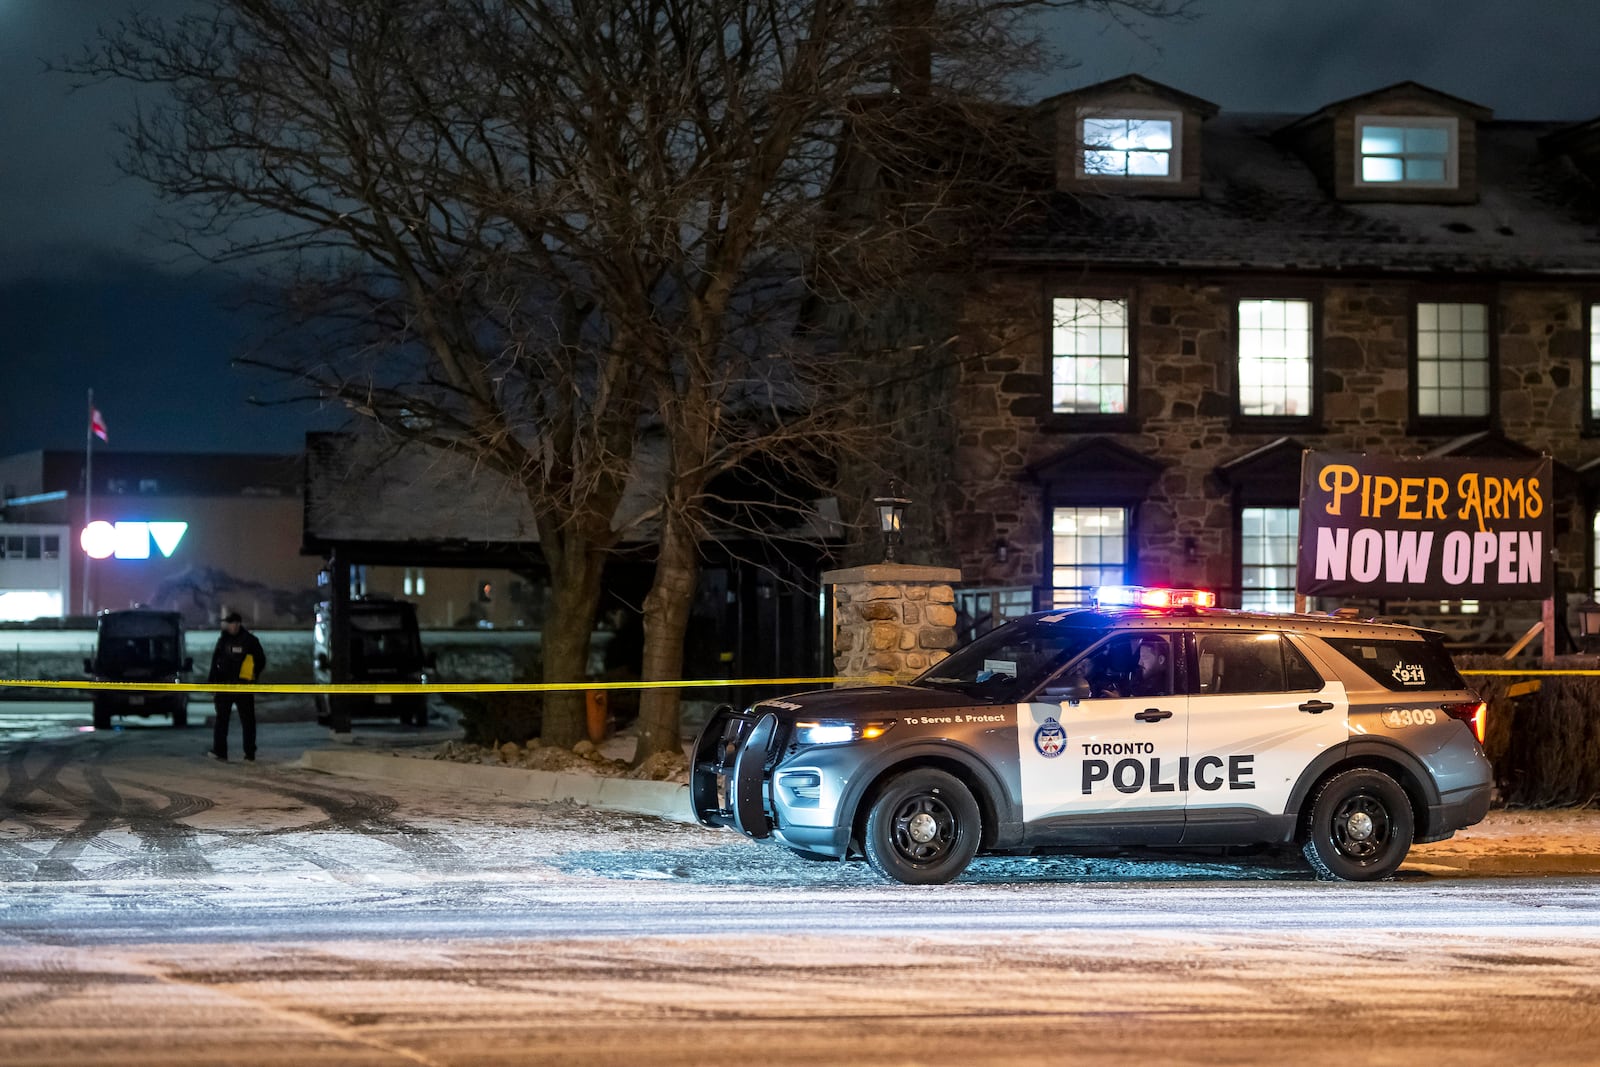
(418, 715)
(324, 714)
(1359, 826)
(102, 714)
(180, 717)
(923, 828)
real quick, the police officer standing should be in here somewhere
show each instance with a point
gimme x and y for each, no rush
(238, 658)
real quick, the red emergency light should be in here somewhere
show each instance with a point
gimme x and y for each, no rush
(1141, 596)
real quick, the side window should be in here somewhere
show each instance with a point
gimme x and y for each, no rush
(1129, 665)
(1401, 665)
(1252, 663)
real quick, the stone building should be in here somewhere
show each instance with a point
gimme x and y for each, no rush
(1206, 294)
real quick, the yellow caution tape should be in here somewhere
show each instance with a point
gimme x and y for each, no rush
(1537, 673)
(429, 687)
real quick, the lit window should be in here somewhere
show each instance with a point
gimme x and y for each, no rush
(1090, 549)
(1129, 145)
(415, 582)
(1407, 151)
(1452, 360)
(1275, 357)
(1089, 356)
(1269, 540)
(1594, 361)
(1594, 539)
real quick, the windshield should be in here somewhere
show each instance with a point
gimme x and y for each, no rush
(139, 641)
(1007, 663)
(382, 639)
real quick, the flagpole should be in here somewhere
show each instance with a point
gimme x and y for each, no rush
(88, 489)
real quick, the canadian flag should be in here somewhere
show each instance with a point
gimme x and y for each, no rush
(97, 424)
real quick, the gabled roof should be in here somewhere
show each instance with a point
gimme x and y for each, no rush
(1135, 83)
(1261, 208)
(1266, 475)
(1408, 88)
(1492, 444)
(1099, 468)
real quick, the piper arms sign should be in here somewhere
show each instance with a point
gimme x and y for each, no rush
(1450, 529)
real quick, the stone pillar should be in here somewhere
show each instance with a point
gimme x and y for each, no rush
(891, 619)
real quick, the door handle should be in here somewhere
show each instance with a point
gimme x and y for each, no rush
(1316, 707)
(1156, 714)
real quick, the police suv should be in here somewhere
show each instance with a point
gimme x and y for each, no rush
(1151, 719)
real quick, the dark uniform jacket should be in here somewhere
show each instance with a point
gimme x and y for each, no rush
(229, 657)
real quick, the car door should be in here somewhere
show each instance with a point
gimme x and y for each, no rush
(1100, 747)
(1259, 714)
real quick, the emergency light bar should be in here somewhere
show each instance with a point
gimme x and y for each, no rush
(1140, 596)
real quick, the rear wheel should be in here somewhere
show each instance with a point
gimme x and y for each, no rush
(102, 714)
(923, 828)
(1359, 826)
(180, 716)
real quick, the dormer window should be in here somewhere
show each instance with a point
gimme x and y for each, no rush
(1140, 145)
(1405, 150)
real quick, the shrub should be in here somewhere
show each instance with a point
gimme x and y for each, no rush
(1545, 746)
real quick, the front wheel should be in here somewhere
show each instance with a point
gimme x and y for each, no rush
(923, 828)
(102, 714)
(1359, 826)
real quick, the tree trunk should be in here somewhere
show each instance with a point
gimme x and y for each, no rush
(666, 619)
(568, 623)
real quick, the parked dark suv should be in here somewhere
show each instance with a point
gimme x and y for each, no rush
(385, 646)
(139, 645)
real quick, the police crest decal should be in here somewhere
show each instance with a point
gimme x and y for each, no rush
(1050, 739)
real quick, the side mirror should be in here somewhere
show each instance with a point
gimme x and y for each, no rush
(432, 660)
(188, 664)
(322, 661)
(88, 666)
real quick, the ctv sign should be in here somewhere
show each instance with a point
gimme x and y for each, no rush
(131, 540)
(1473, 528)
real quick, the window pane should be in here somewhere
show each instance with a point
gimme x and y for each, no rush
(1379, 169)
(1419, 152)
(1089, 365)
(1089, 548)
(1452, 365)
(1103, 133)
(1127, 147)
(1427, 139)
(1150, 133)
(1275, 357)
(1104, 162)
(1268, 546)
(1424, 170)
(1388, 140)
(1148, 164)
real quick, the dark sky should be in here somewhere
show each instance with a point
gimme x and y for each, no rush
(90, 298)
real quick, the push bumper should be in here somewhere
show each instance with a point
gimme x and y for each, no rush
(728, 776)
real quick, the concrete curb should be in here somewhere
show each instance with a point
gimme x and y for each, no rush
(665, 800)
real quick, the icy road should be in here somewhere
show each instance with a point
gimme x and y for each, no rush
(158, 908)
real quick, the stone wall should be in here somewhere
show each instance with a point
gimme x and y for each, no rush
(891, 619)
(1183, 410)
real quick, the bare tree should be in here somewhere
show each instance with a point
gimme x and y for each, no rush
(528, 231)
